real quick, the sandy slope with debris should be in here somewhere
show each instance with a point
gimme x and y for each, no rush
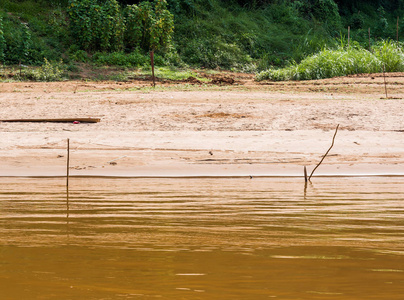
(187, 130)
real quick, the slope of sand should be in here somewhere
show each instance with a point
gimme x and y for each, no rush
(271, 129)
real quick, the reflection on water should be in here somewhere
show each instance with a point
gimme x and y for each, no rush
(202, 239)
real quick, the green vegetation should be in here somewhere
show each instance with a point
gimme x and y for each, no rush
(340, 62)
(292, 39)
(49, 71)
(96, 25)
(149, 25)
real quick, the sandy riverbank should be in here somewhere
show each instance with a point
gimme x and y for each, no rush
(248, 129)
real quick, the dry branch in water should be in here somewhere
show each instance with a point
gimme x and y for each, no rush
(333, 139)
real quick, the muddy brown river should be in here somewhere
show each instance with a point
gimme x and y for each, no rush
(206, 238)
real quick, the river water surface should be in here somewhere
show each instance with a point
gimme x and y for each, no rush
(342, 238)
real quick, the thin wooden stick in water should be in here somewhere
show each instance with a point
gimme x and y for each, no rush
(305, 174)
(68, 163)
(333, 139)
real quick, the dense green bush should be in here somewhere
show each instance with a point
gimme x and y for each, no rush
(96, 25)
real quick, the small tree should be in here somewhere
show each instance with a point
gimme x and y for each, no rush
(96, 25)
(149, 26)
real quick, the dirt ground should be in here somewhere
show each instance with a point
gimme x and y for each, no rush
(232, 126)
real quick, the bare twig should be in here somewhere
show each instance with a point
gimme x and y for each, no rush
(333, 139)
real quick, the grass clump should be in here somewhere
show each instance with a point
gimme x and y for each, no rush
(391, 54)
(341, 62)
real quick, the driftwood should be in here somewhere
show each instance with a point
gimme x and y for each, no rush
(61, 120)
(333, 139)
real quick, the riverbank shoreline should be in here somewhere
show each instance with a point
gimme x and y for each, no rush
(252, 129)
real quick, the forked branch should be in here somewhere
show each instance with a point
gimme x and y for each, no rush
(333, 139)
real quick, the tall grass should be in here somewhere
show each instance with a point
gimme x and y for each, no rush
(341, 62)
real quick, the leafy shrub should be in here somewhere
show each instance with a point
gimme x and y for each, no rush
(49, 71)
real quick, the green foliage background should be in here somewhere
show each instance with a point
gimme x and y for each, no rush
(231, 34)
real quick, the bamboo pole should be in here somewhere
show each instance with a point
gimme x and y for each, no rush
(68, 163)
(349, 35)
(332, 144)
